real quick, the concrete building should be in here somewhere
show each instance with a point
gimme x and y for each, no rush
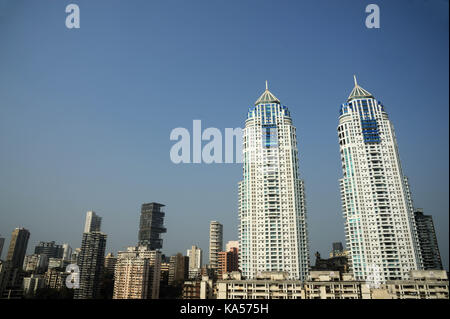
(57, 263)
(338, 250)
(231, 244)
(423, 284)
(376, 199)
(55, 278)
(74, 256)
(264, 286)
(228, 261)
(137, 274)
(191, 289)
(215, 243)
(32, 284)
(110, 263)
(431, 256)
(151, 226)
(93, 222)
(18, 247)
(333, 285)
(195, 255)
(202, 288)
(178, 269)
(35, 263)
(165, 268)
(67, 252)
(336, 263)
(91, 258)
(50, 249)
(272, 211)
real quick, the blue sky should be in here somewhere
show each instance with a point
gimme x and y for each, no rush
(86, 115)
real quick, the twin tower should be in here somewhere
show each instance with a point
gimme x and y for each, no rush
(381, 234)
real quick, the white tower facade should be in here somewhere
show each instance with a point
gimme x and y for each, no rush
(93, 222)
(380, 229)
(195, 261)
(272, 214)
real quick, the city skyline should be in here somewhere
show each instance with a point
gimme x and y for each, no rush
(359, 97)
(69, 148)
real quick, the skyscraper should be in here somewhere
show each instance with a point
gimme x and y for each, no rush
(93, 222)
(151, 226)
(272, 213)
(67, 252)
(110, 263)
(232, 244)
(91, 259)
(50, 249)
(380, 229)
(35, 263)
(215, 243)
(428, 243)
(18, 247)
(228, 260)
(178, 269)
(337, 249)
(195, 261)
(137, 274)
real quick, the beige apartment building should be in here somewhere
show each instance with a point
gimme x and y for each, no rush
(137, 274)
(422, 284)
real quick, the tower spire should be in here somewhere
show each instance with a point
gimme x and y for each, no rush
(267, 96)
(358, 92)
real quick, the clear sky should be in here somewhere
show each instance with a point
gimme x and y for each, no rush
(86, 115)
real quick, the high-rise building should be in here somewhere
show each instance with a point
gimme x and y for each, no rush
(380, 229)
(110, 263)
(32, 284)
(232, 244)
(91, 259)
(74, 256)
(428, 243)
(195, 261)
(55, 279)
(67, 252)
(2, 243)
(338, 250)
(137, 274)
(57, 263)
(18, 247)
(165, 269)
(151, 226)
(178, 269)
(337, 262)
(228, 260)
(272, 213)
(50, 249)
(93, 222)
(215, 243)
(35, 263)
